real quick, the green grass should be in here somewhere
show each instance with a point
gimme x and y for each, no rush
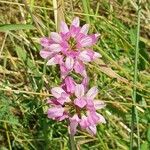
(25, 81)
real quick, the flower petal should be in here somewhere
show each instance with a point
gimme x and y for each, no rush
(79, 67)
(57, 59)
(80, 102)
(85, 29)
(73, 124)
(96, 55)
(55, 37)
(76, 22)
(99, 104)
(91, 94)
(79, 90)
(101, 118)
(83, 56)
(69, 63)
(85, 82)
(74, 31)
(91, 129)
(45, 41)
(64, 71)
(55, 112)
(90, 105)
(94, 37)
(64, 116)
(86, 41)
(93, 118)
(83, 122)
(55, 47)
(70, 84)
(51, 62)
(57, 91)
(63, 27)
(45, 53)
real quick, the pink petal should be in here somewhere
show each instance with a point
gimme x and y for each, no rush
(91, 129)
(80, 102)
(83, 122)
(96, 55)
(51, 61)
(85, 82)
(53, 102)
(85, 29)
(90, 105)
(70, 84)
(63, 27)
(55, 47)
(93, 118)
(79, 90)
(79, 67)
(76, 22)
(64, 116)
(57, 59)
(91, 94)
(74, 31)
(93, 55)
(55, 112)
(83, 56)
(73, 124)
(94, 37)
(64, 71)
(84, 74)
(45, 53)
(86, 41)
(69, 63)
(45, 41)
(56, 37)
(64, 98)
(101, 118)
(99, 104)
(57, 91)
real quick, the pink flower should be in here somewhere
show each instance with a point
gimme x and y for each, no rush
(73, 102)
(57, 113)
(70, 48)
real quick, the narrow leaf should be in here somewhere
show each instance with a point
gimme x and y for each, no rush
(8, 27)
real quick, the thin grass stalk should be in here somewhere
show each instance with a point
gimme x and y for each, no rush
(135, 117)
(7, 135)
(85, 8)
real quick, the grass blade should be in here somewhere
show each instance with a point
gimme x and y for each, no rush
(8, 27)
(134, 110)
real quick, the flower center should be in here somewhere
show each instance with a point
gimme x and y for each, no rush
(72, 43)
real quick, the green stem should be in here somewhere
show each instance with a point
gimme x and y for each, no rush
(72, 142)
(134, 110)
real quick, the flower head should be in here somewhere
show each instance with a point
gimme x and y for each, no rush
(71, 48)
(76, 104)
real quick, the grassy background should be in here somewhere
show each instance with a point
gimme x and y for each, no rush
(25, 81)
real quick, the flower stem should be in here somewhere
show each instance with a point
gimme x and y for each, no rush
(72, 142)
(134, 110)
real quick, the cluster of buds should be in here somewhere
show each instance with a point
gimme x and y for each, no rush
(71, 50)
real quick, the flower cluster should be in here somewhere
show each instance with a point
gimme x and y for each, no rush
(71, 50)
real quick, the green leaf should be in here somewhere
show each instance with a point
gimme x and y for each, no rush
(22, 54)
(148, 134)
(132, 33)
(8, 27)
(144, 54)
(145, 146)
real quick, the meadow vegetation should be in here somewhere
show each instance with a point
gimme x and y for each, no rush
(25, 80)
